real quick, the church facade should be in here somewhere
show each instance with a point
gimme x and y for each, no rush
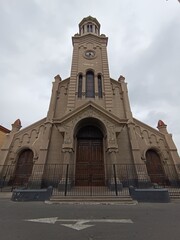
(90, 128)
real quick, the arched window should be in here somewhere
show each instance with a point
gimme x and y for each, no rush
(91, 28)
(80, 86)
(99, 86)
(90, 84)
(88, 28)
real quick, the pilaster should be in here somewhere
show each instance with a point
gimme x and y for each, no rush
(45, 143)
(106, 77)
(4, 151)
(172, 150)
(73, 80)
(52, 106)
(134, 143)
(127, 108)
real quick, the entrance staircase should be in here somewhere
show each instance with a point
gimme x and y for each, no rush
(92, 195)
(174, 194)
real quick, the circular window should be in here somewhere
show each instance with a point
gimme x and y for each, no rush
(89, 54)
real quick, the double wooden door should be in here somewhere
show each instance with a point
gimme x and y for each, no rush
(23, 168)
(90, 163)
(154, 168)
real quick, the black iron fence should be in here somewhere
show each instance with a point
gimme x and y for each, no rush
(88, 179)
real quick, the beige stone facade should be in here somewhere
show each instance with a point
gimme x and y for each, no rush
(91, 98)
(3, 132)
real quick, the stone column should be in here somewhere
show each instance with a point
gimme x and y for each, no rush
(112, 171)
(134, 143)
(172, 150)
(52, 106)
(127, 108)
(128, 114)
(43, 152)
(67, 171)
(140, 166)
(113, 156)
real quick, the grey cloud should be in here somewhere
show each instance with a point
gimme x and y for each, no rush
(156, 70)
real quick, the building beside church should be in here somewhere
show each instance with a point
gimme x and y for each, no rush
(89, 133)
(3, 132)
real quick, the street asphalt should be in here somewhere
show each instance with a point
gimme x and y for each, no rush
(87, 221)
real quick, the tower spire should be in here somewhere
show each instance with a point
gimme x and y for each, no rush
(89, 25)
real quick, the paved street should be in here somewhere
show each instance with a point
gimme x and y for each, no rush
(37, 220)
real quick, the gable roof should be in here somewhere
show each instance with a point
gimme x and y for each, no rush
(3, 129)
(93, 106)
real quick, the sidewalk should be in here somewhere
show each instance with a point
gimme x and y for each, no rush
(5, 195)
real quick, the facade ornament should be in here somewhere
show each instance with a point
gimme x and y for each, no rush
(16, 126)
(161, 124)
(121, 79)
(112, 140)
(58, 78)
(67, 149)
(162, 127)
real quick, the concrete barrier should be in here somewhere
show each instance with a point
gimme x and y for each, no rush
(160, 195)
(21, 195)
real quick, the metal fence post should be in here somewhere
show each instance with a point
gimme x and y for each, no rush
(66, 182)
(115, 180)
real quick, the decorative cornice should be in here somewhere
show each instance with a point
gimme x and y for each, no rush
(90, 36)
(147, 127)
(30, 127)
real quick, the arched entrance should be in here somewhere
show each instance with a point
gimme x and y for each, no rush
(154, 167)
(23, 168)
(89, 158)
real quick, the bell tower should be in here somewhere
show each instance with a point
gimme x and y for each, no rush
(89, 79)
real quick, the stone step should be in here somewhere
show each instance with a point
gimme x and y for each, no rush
(175, 197)
(174, 194)
(93, 199)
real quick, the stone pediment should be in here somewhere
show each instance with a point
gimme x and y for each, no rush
(90, 109)
(67, 124)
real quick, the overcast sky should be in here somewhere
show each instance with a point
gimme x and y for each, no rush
(144, 46)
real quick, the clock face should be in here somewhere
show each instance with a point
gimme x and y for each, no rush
(90, 54)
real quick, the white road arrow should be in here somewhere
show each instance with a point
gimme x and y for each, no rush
(79, 223)
(52, 220)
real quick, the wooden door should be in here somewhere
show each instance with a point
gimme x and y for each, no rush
(24, 168)
(154, 167)
(89, 164)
